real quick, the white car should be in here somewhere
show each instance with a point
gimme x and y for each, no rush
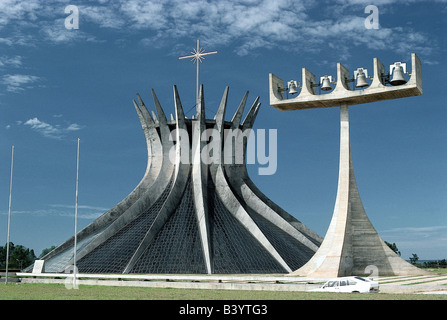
(349, 284)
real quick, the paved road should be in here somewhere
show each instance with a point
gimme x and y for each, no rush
(414, 284)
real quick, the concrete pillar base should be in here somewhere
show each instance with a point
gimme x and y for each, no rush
(352, 246)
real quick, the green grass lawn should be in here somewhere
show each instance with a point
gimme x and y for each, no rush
(440, 271)
(22, 291)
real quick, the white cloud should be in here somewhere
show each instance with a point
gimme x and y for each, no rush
(15, 61)
(84, 211)
(18, 82)
(148, 14)
(16, 10)
(420, 231)
(42, 127)
(60, 210)
(280, 24)
(69, 206)
(104, 16)
(57, 33)
(51, 131)
(245, 24)
(427, 242)
(73, 127)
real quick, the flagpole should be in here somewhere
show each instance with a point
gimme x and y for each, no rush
(9, 215)
(76, 218)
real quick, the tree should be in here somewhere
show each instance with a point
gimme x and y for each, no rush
(435, 264)
(393, 247)
(19, 256)
(46, 251)
(414, 258)
(2, 257)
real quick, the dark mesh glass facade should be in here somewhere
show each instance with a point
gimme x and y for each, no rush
(113, 255)
(177, 248)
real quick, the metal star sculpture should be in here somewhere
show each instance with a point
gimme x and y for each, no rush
(197, 55)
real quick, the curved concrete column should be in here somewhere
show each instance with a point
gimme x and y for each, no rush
(258, 202)
(200, 180)
(227, 197)
(151, 194)
(153, 167)
(174, 197)
(225, 192)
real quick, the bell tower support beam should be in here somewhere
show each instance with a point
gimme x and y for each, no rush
(352, 246)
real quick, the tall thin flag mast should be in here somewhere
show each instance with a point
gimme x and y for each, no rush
(76, 219)
(9, 215)
(196, 57)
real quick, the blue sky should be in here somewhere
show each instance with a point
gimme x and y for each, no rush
(57, 85)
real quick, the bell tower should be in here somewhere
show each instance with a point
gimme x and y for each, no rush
(351, 245)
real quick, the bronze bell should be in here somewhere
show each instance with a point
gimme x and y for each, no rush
(292, 87)
(361, 75)
(326, 83)
(398, 74)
